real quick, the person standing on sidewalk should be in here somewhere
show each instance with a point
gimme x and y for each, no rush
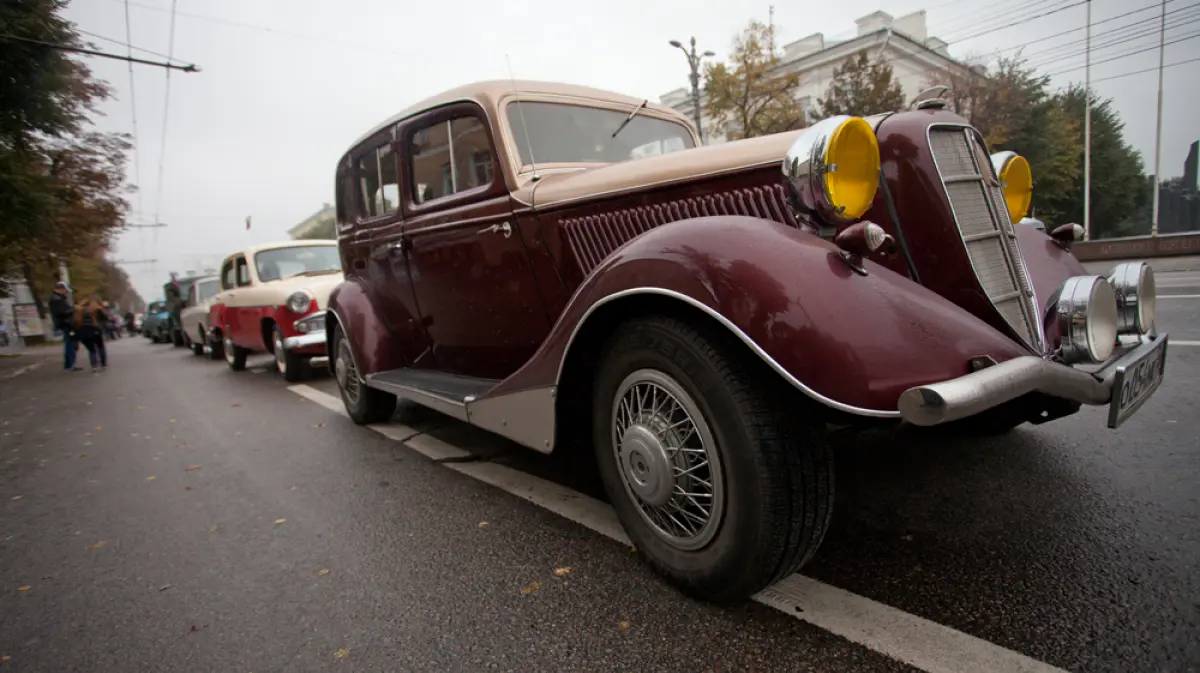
(63, 316)
(90, 318)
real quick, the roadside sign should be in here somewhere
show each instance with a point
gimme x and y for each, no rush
(26, 318)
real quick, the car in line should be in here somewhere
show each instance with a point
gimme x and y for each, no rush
(568, 267)
(156, 325)
(194, 316)
(265, 294)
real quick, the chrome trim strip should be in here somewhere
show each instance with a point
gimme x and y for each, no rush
(979, 391)
(310, 339)
(422, 397)
(1008, 248)
(787, 376)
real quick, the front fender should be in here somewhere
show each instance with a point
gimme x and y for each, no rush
(852, 342)
(370, 342)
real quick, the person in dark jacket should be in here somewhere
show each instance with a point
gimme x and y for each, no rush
(90, 318)
(63, 316)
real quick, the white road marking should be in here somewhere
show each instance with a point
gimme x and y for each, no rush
(1179, 296)
(913, 640)
(1174, 342)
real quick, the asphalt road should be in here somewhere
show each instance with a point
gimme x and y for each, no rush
(170, 515)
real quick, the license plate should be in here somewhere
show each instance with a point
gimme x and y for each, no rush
(1135, 382)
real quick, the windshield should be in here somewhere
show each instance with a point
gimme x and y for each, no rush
(286, 262)
(562, 133)
(156, 307)
(205, 289)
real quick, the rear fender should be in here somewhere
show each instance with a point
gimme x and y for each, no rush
(853, 343)
(370, 343)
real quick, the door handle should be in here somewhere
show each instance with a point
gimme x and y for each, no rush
(495, 228)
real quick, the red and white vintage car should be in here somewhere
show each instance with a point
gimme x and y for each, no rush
(272, 300)
(568, 267)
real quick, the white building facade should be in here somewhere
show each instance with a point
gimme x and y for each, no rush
(903, 43)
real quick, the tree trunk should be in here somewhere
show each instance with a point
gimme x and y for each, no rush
(27, 271)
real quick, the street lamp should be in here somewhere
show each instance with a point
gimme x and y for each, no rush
(694, 64)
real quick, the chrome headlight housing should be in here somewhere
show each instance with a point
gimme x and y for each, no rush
(1137, 297)
(299, 301)
(833, 168)
(311, 323)
(1087, 319)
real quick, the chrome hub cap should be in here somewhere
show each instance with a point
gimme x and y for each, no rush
(280, 355)
(667, 459)
(228, 349)
(346, 374)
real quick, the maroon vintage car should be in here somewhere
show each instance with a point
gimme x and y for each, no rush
(566, 267)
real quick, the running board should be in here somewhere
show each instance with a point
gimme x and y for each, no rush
(447, 393)
(526, 417)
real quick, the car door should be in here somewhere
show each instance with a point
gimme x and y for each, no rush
(218, 311)
(240, 316)
(474, 286)
(373, 241)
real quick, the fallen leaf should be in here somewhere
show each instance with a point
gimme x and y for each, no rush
(164, 587)
(212, 529)
(633, 548)
(133, 434)
(83, 455)
(192, 468)
(172, 420)
(24, 588)
(319, 425)
(483, 524)
(323, 571)
(280, 521)
(236, 404)
(47, 577)
(151, 478)
(181, 445)
(341, 653)
(565, 570)
(187, 488)
(624, 625)
(96, 545)
(906, 538)
(4, 658)
(17, 497)
(531, 588)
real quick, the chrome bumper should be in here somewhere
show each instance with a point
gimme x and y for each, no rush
(302, 340)
(979, 391)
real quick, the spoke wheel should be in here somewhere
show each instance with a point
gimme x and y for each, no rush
(347, 374)
(363, 404)
(668, 459)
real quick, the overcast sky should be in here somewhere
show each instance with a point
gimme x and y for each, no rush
(286, 85)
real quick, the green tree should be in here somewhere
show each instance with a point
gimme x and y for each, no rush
(61, 184)
(862, 87)
(1119, 184)
(750, 96)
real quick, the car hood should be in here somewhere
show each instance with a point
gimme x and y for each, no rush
(319, 286)
(573, 185)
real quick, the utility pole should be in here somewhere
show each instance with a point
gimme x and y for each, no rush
(1087, 129)
(694, 64)
(1162, 32)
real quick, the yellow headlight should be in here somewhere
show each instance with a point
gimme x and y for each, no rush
(852, 167)
(1016, 180)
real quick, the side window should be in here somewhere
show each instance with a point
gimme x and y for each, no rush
(378, 181)
(243, 272)
(450, 157)
(228, 279)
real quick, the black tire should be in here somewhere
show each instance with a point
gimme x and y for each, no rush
(216, 347)
(235, 356)
(177, 338)
(364, 405)
(775, 463)
(291, 367)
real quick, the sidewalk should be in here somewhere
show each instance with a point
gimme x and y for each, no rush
(15, 359)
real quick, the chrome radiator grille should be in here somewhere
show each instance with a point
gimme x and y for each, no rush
(987, 231)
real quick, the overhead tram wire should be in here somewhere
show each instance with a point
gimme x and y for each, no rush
(1118, 57)
(126, 43)
(1048, 56)
(162, 153)
(137, 169)
(1076, 30)
(102, 54)
(1145, 70)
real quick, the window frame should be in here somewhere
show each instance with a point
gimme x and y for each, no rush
(371, 146)
(239, 263)
(443, 115)
(228, 266)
